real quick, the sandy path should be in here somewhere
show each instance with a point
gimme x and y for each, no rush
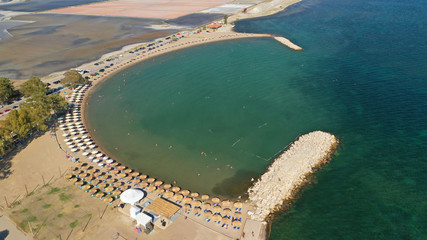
(9, 231)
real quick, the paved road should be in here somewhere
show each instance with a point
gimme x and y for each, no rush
(8, 231)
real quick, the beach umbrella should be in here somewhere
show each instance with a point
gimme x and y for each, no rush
(216, 209)
(99, 155)
(86, 187)
(136, 181)
(97, 174)
(121, 167)
(114, 172)
(167, 186)
(80, 164)
(194, 194)
(178, 197)
(92, 145)
(84, 167)
(197, 209)
(93, 190)
(74, 150)
(92, 170)
(160, 190)
(95, 152)
(104, 177)
(95, 160)
(73, 180)
(144, 184)
(185, 192)
(70, 143)
(132, 196)
(91, 157)
(187, 207)
(128, 178)
(187, 200)
(197, 203)
(68, 140)
(109, 189)
(86, 139)
(102, 185)
(111, 180)
(79, 183)
(150, 180)
(237, 214)
(226, 203)
(73, 168)
(236, 223)
(238, 204)
(83, 148)
(217, 217)
(128, 170)
(111, 161)
(83, 175)
(168, 194)
(75, 138)
(100, 194)
(215, 200)
(66, 134)
(151, 188)
(175, 189)
(116, 192)
(142, 177)
(68, 176)
(114, 164)
(226, 211)
(205, 197)
(208, 214)
(101, 164)
(226, 220)
(158, 183)
(80, 144)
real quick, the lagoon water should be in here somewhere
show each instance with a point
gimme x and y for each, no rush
(361, 77)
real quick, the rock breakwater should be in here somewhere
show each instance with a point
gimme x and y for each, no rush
(289, 171)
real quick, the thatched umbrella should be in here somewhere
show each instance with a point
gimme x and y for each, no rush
(187, 200)
(217, 217)
(238, 204)
(115, 172)
(194, 194)
(128, 178)
(100, 194)
(135, 174)
(175, 189)
(108, 199)
(237, 214)
(185, 192)
(226, 220)
(92, 170)
(205, 197)
(144, 184)
(150, 180)
(97, 174)
(167, 186)
(93, 190)
(208, 214)
(128, 170)
(80, 164)
(73, 168)
(158, 183)
(151, 188)
(83, 175)
(226, 203)
(178, 197)
(197, 209)
(160, 190)
(136, 181)
(168, 194)
(142, 177)
(86, 187)
(121, 175)
(237, 223)
(116, 192)
(197, 203)
(187, 207)
(121, 167)
(68, 176)
(226, 211)
(216, 209)
(102, 185)
(79, 183)
(216, 200)
(109, 189)
(206, 205)
(114, 164)
(73, 180)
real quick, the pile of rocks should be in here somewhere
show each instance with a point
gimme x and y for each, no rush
(289, 171)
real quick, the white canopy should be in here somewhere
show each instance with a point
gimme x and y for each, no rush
(143, 219)
(134, 210)
(132, 196)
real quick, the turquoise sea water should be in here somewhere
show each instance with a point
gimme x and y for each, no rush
(361, 77)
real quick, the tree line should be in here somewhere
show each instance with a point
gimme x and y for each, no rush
(35, 113)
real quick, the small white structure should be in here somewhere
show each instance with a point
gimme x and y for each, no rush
(144, 220)
(134, 211)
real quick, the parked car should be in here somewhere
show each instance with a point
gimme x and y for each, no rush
(56, 82)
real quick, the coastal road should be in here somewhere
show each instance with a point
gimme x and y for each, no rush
(9, 231)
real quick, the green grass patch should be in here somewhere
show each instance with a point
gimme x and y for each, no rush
(60, 215)
(39, 199)
(24, 210)
(46, 206)
(76, 206)
(31, 219)
(74, 224)
(64, 197)
(54, 190)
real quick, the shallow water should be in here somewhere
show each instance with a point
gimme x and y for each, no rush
(361, 77)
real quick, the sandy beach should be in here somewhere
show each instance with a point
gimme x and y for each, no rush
(44, 162)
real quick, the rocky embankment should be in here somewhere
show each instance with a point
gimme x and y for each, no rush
(289, 171)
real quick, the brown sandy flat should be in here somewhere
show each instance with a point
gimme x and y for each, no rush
(147, 9)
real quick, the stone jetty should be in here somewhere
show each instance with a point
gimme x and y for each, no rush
(288, 43)
(289, 171)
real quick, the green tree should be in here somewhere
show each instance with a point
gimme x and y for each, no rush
(33, 87)
(6, 89)
(18, 122)
(73, 78)
(225, 19)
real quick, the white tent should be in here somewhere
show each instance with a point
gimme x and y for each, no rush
(132, 196)
(134, 210)
(143, 219)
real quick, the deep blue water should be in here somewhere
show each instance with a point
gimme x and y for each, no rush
(370, 58)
